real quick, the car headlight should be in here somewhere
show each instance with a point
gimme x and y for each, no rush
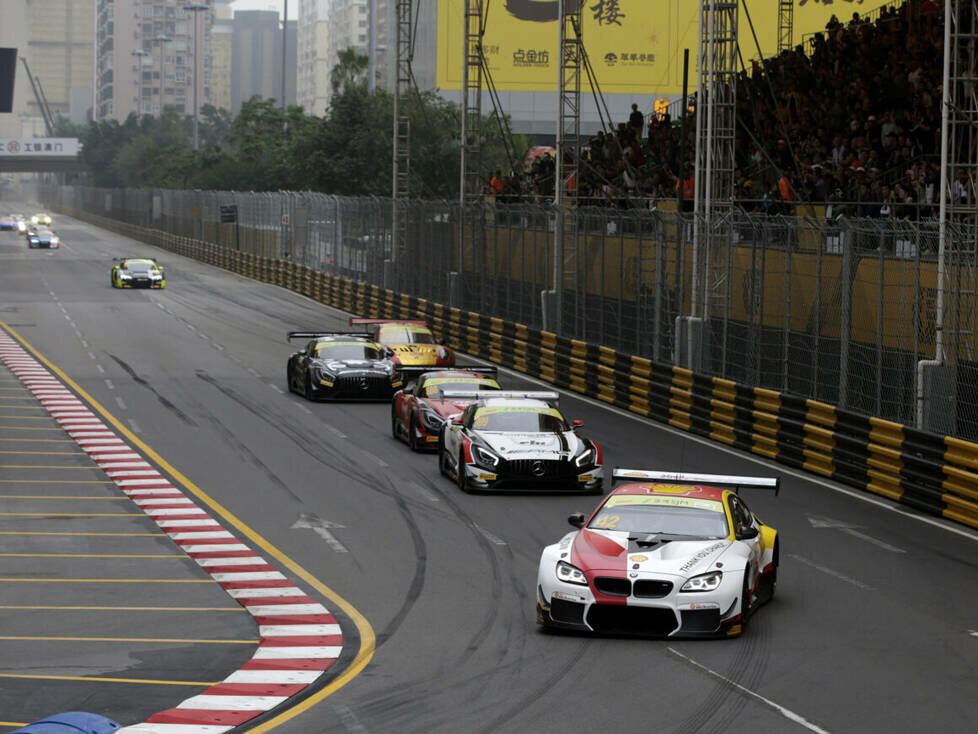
(570, 574)
(432, 421)
(125, 276)
(704, 582)
(485, 457)
(55, 240)
(442, 353)
(586, 458)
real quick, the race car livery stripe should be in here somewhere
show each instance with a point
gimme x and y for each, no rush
(299, 638)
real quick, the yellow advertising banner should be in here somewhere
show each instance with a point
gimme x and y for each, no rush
(635, 46)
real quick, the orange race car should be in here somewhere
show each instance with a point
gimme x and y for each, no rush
(411, 341)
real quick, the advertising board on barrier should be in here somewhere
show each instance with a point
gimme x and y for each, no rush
(50, 147)
(635, 46)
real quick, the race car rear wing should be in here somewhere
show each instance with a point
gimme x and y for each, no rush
(316, 334)
(720, 480)
(550, 397)
(406, 322)
(418, 371)
(123, 259)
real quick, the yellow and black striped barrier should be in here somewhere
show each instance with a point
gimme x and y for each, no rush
(934, 474)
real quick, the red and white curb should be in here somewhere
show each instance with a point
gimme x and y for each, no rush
(300, 639)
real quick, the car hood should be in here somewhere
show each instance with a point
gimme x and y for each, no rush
(619, 551)
(415, 354)
(445, 408)
(335, 365)
(532, 445)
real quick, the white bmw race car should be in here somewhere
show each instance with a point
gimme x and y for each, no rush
(670, 555)
(516, 440)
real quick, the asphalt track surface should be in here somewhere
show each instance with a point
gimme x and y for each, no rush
(874, 627)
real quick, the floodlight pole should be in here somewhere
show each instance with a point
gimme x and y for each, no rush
(195, 9)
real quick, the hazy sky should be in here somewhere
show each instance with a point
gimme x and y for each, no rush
(267, 5)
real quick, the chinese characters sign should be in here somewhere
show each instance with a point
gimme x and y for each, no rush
(635, 46)
(53, 147)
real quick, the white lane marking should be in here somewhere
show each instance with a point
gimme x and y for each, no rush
(830, 572)
(374, 458)
(489, 536)
(91, 355)
(84, 344)
(108, 384)
(100, 368)
(349, 720)
(52, 293)
(335, 430)
(767, 463)
(787, 713)
(219, 347)
(312, 521)
(276, 652)
(203, 335)
(191, 327)
(285, 610)
(276, 388)
(430, 496)
(303, 408)
(134, 426)
(121, 403)
(973, 633)
(296, 630)
(232, 703)
(850, 529)
(273, 676)
(161, 306)
(253, 372)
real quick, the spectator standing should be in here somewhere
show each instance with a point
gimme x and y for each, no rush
(637, 121)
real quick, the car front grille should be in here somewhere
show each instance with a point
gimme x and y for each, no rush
(614, 619)
(537, 468)
(566, 612)
(651, 588)
(613, 586)
(700, 620)
(365, 385)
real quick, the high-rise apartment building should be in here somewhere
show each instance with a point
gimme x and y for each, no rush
(257, 58)
(222, 33)
(57, 39)
(147, 55)
(327, 27)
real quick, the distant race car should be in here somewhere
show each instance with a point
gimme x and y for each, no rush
(42, 219)
(341, 366)
(412, 342)
(137, 272)
(43, 237)
(20, 221)
(419, 410)
(672, 555)
(8, 223)
(516, 440)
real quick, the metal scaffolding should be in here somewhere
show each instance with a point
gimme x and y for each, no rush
(402, 128)
(567, 174)
(786, 15)
(716, 110)
(957, 265)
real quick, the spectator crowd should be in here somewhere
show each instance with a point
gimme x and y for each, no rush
(851, 118)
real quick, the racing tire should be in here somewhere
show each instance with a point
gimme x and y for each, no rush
(460, 478)
(745, 602)
(307, 389)
(288, 380)
(412, 439)
(441, 456)
(394, 432)
(772, 576)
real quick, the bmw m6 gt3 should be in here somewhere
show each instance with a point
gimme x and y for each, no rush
(672, 555)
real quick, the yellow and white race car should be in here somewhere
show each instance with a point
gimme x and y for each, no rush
(411, 341)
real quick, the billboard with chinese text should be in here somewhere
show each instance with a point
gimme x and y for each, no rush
(635, 46)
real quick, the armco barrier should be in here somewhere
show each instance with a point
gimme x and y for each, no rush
(934, 474)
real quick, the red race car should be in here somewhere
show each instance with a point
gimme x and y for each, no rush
(412, 342)
(419, 410)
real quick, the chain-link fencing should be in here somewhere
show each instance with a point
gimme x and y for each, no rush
(839, 310)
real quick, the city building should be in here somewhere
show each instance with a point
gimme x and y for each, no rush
(147, 51)
(221, 65)
(257, 57)
(57, 39)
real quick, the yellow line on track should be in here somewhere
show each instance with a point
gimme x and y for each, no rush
(130, 639)
(108, 581)
(108, 680)
(51, 532)
(89, 555)
(364, 629)
(133, 609)
(13, 723)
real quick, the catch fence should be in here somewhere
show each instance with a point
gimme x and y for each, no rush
(839, 310)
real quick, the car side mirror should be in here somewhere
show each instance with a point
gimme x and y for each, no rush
(457, 420)
(576, 519)
(577, 423)
(748, 533)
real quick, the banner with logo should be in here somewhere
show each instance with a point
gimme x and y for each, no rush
(635, 46)
(39, 146)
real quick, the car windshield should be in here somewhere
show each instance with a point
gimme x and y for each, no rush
(519, 420)
(140, 267)
(406, 335)
(669, 515)
(347, 350)
(434, 387)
